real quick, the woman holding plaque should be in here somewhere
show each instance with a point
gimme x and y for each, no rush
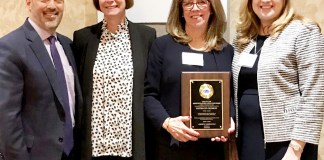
(195, 43)
(111, 57)
(278, 77)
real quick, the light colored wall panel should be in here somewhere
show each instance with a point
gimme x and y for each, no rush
(77, 14)
(12, 14)
(321, 145)
(234, 6)
(73, 18)
(311, 9)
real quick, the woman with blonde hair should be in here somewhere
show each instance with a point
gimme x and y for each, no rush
(111, 57)
(278, 82)
(195, 43)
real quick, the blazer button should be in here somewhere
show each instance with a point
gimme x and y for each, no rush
(60, 139)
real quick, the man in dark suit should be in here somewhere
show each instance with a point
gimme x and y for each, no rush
(39, 89)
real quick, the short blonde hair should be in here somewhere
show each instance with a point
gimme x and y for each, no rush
(249, 23)
(216, 26)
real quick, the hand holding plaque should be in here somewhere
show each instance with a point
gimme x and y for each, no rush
(206, 99)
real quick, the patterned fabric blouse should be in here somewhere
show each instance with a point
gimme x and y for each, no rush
(111, 121)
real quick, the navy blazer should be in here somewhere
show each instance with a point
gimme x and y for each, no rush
(162, 94)
(31, 108)
(86, 42)
(163, 77)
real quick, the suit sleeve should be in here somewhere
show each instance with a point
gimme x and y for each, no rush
(153, 108)
(309, 47)
(12, 143)
(152, 38)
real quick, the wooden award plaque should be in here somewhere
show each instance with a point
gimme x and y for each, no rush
(205, 97)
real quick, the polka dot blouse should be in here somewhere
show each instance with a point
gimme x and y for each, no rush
(111, 121)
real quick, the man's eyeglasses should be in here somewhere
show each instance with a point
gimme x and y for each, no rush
(201, 4)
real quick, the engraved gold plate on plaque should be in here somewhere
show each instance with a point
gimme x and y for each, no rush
(206, 99)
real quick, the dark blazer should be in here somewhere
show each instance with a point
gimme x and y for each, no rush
(163, 92)
(86, 42)
(31, 107)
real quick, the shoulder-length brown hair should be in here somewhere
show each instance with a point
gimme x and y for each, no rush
(249, 25)
(129, 4)
(216, 26)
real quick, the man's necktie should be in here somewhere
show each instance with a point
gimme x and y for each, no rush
(68, 129)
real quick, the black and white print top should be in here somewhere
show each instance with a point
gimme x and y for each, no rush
(111, 120)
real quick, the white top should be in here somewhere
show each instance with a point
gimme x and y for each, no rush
(111, 120)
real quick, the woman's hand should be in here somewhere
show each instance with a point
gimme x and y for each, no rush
(294, 154)
(291, 155)
(230, 131)
(179, 131)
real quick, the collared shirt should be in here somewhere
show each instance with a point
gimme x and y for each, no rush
(68, 71)
(111, 119)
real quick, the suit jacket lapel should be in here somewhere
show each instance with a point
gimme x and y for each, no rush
(38, 48)
(88, 60)
(77, 88)
(67, 50)
(136, 47)
(92, 49)
(69, 54)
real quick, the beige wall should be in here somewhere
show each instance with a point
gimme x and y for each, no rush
(81, 13)
(77, 14)
(12, 15)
